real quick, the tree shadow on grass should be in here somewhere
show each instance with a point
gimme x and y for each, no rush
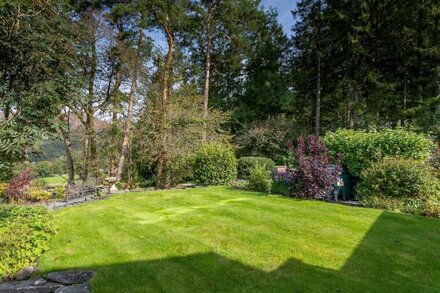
(398, 254)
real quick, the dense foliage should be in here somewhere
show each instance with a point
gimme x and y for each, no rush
(215, 164)
(400, 184)
(128, 106)
(314, 176)
(18, 186)
(360, 149)
(245, 164)
(24, 235)
(259, 178)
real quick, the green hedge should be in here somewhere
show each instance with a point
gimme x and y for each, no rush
(24, 235)
(400, 185)
(215, 164)
(360, 149)
(245, 164)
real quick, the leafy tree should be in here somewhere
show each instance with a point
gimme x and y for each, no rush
(35, 57)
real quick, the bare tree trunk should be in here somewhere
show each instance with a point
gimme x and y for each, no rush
(405, 98)
(113, 142)
(127, 130)
(318, 76)
(68, 147)
(318, 92)
(163, 157)
(207, 74)
(90, 131)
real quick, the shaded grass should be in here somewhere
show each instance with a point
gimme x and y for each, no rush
(221, 240)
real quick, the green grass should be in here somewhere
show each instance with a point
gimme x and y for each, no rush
(56, 180)
(222, 240)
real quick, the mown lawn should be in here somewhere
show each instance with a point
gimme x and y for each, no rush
(222, 240)
(56, 180)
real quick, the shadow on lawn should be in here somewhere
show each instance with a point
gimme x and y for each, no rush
(398, 254)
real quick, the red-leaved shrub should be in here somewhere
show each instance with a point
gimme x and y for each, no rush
(315, 173)
(18, 186)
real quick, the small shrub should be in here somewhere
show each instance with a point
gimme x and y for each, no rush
(59, 192)
(259, 178)
(360, 149)
(314, 178)
(3, 193)
(215, 164)
(39, 183)
(24, 235)
(245, 164)
(407, 186)
(434, 160)
(283, 182)
(280, 187)
(18, 186)
(181, 169)
(121, 185)
(37, 194)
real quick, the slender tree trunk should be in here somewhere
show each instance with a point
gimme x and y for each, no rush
(127, 130)
(318, 73)
(318, 92)
(405, 97)
(113, 142)
(207, 74)
(90, 131)
(85, 171)
(162, 162)
(68, 148)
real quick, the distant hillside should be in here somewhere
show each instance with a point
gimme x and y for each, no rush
(54, 148)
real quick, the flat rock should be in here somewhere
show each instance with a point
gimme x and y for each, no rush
(79, 288)
(71, 277)
(29, 286)
(25, 273)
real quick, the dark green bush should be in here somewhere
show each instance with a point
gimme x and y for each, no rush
(400, 185)
(280, 187)
(181, 169)
(215, 164)
(24, 235)
(360, 149)
(245, 164)
(259, 178)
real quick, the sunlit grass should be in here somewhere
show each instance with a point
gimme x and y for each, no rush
(219, 239)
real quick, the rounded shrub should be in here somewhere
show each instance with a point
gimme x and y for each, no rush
(38, 194)
(214, 164)
(245, 164)
(403, 185)
(259, 178)
(360, 149)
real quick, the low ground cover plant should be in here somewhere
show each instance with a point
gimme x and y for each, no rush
(245, 164)
(402, 185)
(24, 235)
(215, 164)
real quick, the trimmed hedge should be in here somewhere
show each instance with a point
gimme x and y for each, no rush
(401, 185)
(360, 149)
(214, 164)
(24, 235)
(245, 164)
